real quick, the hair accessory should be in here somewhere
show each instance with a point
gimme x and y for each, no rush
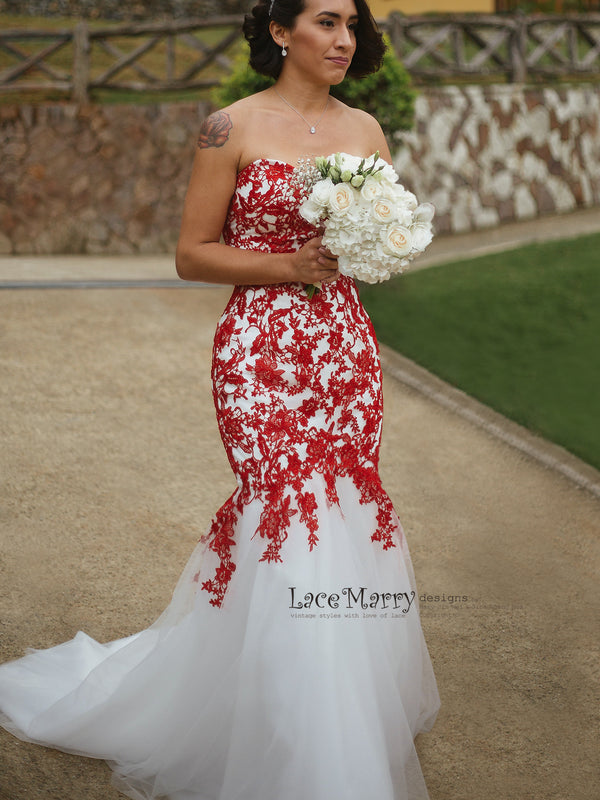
(271, 7)
(283, 51)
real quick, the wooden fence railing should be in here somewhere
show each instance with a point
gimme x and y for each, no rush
(146, 57)
(196, 54)
(514, 48)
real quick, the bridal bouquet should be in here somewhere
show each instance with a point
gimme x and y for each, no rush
(372, 223)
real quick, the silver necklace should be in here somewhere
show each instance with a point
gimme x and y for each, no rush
(311, 128)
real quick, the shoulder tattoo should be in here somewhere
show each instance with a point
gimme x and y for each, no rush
(215, 129)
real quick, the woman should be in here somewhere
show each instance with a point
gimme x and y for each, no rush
(291, 662)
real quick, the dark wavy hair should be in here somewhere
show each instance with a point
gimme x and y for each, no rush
(265, 55)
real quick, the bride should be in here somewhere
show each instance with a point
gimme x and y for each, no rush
(291, 662)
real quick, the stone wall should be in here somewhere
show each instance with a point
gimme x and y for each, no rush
(487, 155)
(112, 179)
(105, 179)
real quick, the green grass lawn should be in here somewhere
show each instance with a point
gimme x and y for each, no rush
(519, 331)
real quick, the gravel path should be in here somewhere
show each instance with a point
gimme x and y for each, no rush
(112, 468)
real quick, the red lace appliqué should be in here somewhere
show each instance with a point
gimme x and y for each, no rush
(296, 385)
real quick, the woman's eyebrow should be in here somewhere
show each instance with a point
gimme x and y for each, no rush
(335, 14)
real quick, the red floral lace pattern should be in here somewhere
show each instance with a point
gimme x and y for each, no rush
(296, 385)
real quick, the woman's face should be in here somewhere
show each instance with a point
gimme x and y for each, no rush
(323, 40)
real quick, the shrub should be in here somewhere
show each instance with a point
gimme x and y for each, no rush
(387, 94)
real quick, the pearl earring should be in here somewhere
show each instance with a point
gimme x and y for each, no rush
(283, 51)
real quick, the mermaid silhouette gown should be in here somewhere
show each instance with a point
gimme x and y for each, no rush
(290, 663)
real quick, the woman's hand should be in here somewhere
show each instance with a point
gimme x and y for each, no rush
(315, 264)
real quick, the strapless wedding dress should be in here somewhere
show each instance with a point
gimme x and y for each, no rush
(291, 663)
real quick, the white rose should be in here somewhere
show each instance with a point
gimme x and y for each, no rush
(410, 200)
(400, 211)
(397, 240)
(321, 192)
(421, 235)
(311, 212)
(345, 161)
(371, 189)
(401, 195)
(424, 213)
(382, 210)
(388, 173)
(341, 197)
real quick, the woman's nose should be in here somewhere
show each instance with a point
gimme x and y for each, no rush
(344, 38)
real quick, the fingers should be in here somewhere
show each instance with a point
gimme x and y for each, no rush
(316, 263)
(327, 253)
(329, 262)
(330, 276)
(327, 259)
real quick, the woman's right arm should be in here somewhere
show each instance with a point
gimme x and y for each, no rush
(200, 255)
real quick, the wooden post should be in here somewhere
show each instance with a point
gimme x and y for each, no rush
(518, 49)
(170, 58)
(396, 33)
(81, 63)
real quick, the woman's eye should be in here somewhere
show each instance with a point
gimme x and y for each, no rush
(329, 23)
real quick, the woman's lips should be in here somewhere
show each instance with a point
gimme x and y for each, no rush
(342, 62)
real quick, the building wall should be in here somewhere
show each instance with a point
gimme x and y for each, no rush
(381, 8)
(112, 179)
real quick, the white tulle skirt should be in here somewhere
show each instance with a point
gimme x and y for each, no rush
(309, 683)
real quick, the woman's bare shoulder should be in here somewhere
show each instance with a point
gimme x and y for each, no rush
(229, 125)
(239, 111)
(365, 125)
(358, 117)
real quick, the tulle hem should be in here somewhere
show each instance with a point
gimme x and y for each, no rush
(310, 681)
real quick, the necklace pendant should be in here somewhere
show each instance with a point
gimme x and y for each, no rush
(313, 129)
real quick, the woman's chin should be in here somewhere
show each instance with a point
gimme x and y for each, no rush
(337, 79)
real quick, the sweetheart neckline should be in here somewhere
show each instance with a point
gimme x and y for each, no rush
(269, 161)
